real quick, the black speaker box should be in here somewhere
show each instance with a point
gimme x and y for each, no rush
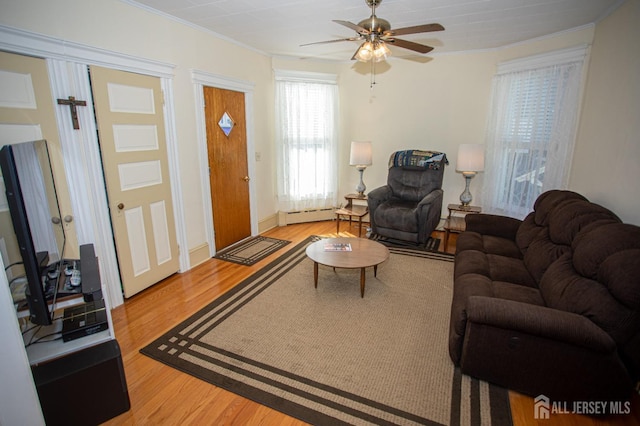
(91, 283)
(86, 387)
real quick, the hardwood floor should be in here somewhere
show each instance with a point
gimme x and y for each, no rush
(163, 395)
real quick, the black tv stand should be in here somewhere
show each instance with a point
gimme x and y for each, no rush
(79, 377)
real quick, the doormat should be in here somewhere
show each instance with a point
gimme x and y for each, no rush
(252, 250)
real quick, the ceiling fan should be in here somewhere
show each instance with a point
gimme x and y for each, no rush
(376, 33)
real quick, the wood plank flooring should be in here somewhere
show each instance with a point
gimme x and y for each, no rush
(161, 395)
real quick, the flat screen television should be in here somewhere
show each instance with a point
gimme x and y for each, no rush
(31, 232)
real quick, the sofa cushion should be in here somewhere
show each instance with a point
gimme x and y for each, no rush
(495, 267)
(537, 222)
(528, 232)
(548, 201)
(610, 254)
(547, 233)
(541, 253)
(573, 216)
(487, 244)
(565, 289)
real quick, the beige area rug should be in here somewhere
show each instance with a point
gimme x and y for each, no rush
(328, 356)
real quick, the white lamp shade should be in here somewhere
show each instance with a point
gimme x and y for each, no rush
(470, 158)
(360, 154)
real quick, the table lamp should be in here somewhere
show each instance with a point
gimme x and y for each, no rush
(361, 158)
(470, 161)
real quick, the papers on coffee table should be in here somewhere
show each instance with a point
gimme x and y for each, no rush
(337, 247)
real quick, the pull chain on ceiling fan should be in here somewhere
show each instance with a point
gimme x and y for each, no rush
(376, 33)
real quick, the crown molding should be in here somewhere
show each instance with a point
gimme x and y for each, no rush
(44, 46)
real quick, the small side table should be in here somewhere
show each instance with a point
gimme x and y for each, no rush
(352, 210)
(455, 220)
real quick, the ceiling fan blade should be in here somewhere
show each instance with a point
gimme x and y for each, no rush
(333, 41)
(353, 58)
(356, 28)
(416, 29)
(417, 47)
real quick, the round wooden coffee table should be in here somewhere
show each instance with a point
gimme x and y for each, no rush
(364, 253)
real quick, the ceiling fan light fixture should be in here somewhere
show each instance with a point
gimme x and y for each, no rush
(365, 52)
(381, 51)
(373, 51)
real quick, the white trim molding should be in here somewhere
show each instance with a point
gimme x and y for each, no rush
(34, 44)
(317, 77)
(556, 57)
(200, 80)
(80, 149)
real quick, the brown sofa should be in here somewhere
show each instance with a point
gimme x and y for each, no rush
(549, 305)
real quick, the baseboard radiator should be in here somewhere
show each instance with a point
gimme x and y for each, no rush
(313, 215)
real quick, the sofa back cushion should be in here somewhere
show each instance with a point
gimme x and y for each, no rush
(600, 279)
(547, 202)
(548, 232)
(534, 225)
(573, 216)
(611, 255)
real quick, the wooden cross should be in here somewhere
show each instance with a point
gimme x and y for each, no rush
(72, 103)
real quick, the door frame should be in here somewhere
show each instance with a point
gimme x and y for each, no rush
(89, 201)
(201, 79)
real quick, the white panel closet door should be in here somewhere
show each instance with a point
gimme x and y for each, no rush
(27, 113)
(131, 129)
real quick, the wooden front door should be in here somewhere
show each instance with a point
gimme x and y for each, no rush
(130, 117)
(228, 167)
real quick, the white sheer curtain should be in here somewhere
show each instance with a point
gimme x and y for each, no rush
(531, 131)
(307, 141)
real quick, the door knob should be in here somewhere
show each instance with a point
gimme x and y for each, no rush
(120, 206)
(246, 179)
(68, 218)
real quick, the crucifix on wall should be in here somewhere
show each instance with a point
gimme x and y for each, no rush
(73, 103)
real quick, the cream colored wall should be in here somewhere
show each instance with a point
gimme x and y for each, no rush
(434, 105)
(437, 104)
(119, 27)
(606, 162)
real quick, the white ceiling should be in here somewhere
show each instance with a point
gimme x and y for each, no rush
(279, 27)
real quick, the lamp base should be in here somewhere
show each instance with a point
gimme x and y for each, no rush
(465, 197)
(361, 187)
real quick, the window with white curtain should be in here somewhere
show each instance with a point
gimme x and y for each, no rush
(306, 140)
(531, 130)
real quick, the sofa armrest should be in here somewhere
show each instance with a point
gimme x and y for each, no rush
(537, 350)
(491, 224)
(539, 321)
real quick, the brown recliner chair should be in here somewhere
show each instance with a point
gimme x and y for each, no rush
(408, 207)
